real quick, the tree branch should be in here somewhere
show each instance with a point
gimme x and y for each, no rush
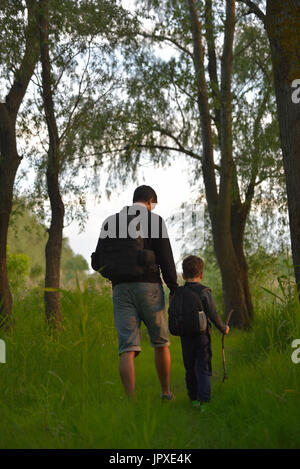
(254, 8)
(227, 165)
(203, 105)
(212, 60)
(24, 73)
(162, 38)
(255, 163)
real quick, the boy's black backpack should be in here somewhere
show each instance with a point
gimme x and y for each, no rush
(123, 258)
(186, 314)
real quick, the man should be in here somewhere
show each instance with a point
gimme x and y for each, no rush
(139, 296)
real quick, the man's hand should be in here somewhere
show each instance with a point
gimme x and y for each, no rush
(170, 298)
(227, 330)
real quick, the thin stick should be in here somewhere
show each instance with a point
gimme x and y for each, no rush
(223, 349)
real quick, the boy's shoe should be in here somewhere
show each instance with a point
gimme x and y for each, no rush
(196, 404)
(199, 405)
(203, 407)
(167, 397)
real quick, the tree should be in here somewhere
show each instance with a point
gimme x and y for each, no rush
(79, 60)
(282, 23)
(283, 28)
(185, 90)
(54, 242)
(20, 74)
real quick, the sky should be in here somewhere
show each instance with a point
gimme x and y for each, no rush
(173, 187)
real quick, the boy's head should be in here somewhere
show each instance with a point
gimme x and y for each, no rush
(192, 267)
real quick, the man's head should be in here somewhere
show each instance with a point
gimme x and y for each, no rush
(192, 267)
(146, 195)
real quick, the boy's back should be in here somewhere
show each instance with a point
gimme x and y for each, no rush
(209, 306)
(196, 348)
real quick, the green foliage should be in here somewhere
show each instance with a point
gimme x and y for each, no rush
(75, 265)
(18, 270)
(28, 237)
(85, 39)
(65, 391)
(276, 325)
(12, 38)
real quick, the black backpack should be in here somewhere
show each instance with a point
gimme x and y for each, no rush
(186, 314)
(123, 258)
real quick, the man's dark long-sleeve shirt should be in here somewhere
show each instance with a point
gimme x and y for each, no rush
(158, 241)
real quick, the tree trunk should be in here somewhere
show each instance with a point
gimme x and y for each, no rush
(53, 251)
(9, 164)
(233, 271)
(231, 274)
(283, 28)
(9, 158)
(54, 243)
(238, 222)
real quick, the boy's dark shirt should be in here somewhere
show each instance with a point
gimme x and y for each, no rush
(208, 304)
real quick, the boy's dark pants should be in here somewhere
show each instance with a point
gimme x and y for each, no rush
(197, 354)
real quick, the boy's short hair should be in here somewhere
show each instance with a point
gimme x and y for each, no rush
(192, 266)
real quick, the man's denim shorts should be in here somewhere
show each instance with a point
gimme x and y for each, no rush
(134, 303)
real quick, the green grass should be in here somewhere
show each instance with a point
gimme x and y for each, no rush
(65, 391)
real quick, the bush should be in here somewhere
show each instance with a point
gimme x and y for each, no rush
(276, 323)
(18, 271)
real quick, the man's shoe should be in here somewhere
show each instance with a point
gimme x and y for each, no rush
(167, 397)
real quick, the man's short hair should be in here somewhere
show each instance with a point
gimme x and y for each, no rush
(192, 266)
(144, 194)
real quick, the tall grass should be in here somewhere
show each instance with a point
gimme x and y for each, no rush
(64, 391)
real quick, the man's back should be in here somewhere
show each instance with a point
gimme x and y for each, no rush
(140, 298)
(135, 221)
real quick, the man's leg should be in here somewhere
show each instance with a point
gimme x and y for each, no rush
(127, 372)
(163, 367)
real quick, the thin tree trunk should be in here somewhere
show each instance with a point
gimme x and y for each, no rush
(233, 283)
(9, 158)
(238, 222)
(220, 204)
(8, 168)
(54, 243)
(283, 28)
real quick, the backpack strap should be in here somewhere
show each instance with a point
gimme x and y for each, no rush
(196, 295)
(197, 291)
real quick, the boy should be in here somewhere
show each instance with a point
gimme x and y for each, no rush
(196, 349)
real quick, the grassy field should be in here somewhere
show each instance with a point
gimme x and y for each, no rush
(65, 392)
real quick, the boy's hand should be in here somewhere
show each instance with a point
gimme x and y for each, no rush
(227, 330)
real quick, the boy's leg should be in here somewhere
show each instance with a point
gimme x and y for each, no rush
(189, 361)
(203, 367)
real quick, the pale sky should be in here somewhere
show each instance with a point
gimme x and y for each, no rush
(172, 185)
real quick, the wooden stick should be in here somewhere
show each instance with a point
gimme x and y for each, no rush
(223, 349)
